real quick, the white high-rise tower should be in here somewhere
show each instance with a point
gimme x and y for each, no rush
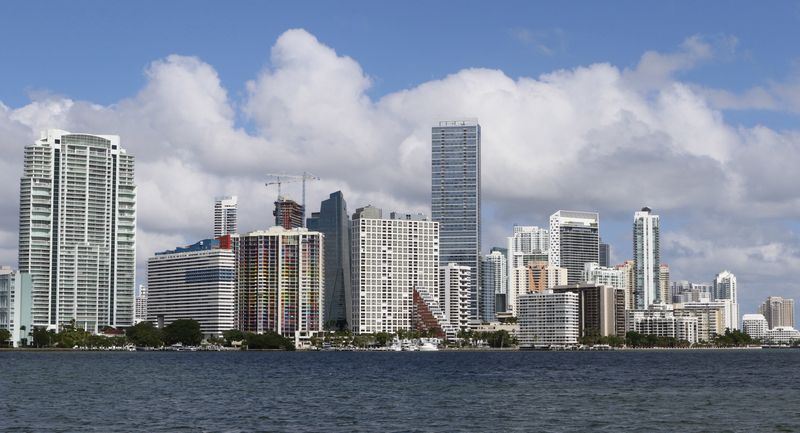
(77, 234)
(225, 216)
(646, 259)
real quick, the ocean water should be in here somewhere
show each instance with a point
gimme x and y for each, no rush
(642, 391)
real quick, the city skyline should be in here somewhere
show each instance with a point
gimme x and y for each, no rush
(184, 159)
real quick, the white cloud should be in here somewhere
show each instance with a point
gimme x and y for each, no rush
(593, 137)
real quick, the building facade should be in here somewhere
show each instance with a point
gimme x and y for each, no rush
(574, 241)
(725, 288)
(548, 319)
(604, 255)
(225, 218)
(646, 258)
(527, 244)
(279, 281)
(390, 257)
(755, 325)
(601, 309)
(778, 311)
(288, 213)
(140, 314)
(659, 320)
(77, 233)
(194, 282)
(494, 273)
(663, 284)
(454, 286)
(333, 222)
(456, 197)
(542, 275)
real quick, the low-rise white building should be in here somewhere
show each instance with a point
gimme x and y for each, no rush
(755, 325)
(783, 335)
(661, 321)
(548, 319)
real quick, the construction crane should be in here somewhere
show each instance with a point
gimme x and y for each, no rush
(279, 179)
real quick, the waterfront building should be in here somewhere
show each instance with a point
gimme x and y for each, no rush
(427, 314)
(501, 296)
(574, 241)
(548, 319)
(288, 213)
(279, 282)
(725, 288)
(542, 276)
(495, 283)
(454, 286)
(77, 232)
(663, 284)
(712, 317)
(601, 308)
(390, 257)
(194, 282)
(528, 244)
(604, 254)
(140, 314)
(778, 311)
(333, 221)
(456, 197)
(225, 221)
(659, 320)
(755, 325)
(783, 335)
(7, 283)
(646, 258)
(15, 304)
(628, 269)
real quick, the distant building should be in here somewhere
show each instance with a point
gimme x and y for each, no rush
(140, 314)
(494, 272)
(7, 281)
(646, 258)
(279, 282)
(628, 269)
(390, 257)
(333, 221)
(601, 311)
(684, 291)
(659, 320)
(755, 325)
(542, 276)
(614, 277)
(225, 216)
(783, 335)
(427, 314)
(456, 197)
(288, 213)
(548, 319)
(605, 255)
(528, 244)
(778, 311)
(194, 282)
(15, 304)
(725, 288)
(712, 317)
(454, 286)
(663, 284)
(574, 241)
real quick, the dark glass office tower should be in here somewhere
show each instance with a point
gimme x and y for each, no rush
(334, 222)
(456, 197)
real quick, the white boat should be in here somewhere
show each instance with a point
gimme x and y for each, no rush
(396, 347)
(427, 346)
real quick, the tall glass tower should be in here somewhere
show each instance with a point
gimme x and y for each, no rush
(456, 197)
(77, 231)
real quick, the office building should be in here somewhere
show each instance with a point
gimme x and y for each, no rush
(456, 197)
(574, 241)
(225, 216)
(548, 319)
(390, 257)
(659, 320)
(604, 255)
(333, 222)
(288, 213)
(601, 308)
(140, 314)
(279, 282)
(194, 282)
(542, 275)
(778, 311)
(77, 234)
(646, 259)
(528, 244)
(755, 325)
(454, 286)
(495, 283)
(725, 288)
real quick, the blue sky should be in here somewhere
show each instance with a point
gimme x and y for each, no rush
(688, 107)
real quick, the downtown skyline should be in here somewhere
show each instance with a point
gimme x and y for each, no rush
(588, 137)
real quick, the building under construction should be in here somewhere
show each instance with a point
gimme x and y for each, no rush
(288, 213)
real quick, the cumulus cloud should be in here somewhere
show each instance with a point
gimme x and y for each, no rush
(593, 137)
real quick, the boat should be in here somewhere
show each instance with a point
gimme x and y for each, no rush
(427, 346)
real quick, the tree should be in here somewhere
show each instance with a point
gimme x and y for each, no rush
(184, 331)
(268, 340)
(145, 334)
(5, 336)
(42, 337)
(232, 335)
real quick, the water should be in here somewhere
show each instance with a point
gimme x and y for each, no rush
(710, 391)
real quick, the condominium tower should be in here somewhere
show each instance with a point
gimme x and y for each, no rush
(456, 197)
(527, 244)
(77, 232)
(778, 311)
(646, 258)
(574, 241)
(225, 216)
(495, 283)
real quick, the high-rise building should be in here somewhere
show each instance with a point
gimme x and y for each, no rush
(333, 221)
(140, 314)
(77, 233)
(574, 241)
(661, 321)
(15, 304)
(456, 197)
(548, 319)
(454, 286)
(194, 282)
(663, 283)
(288, 213)
(7, 282)
(755, 325)
(605, 255)
(778, 311)
(725, 288)
(628, 269)
(389, 258)
(542, 276)
(528, 244)
(427, 315)
(279, 282)
(225, 216)
(646, 258)
(712, 317)
(614, 277)
(495, 282)
(601, 309)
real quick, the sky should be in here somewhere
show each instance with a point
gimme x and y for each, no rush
(688, 108)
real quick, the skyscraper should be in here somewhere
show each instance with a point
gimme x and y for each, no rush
(495, 282)
(288, 213)
(528, 244)
(454, 285)
(77, 234)
(646, 258)
(725, 288)
(663, 284)
(456, 197)
(778, 311)
(333, 221)
(225, 216)
(605, 254)
(574, 241)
